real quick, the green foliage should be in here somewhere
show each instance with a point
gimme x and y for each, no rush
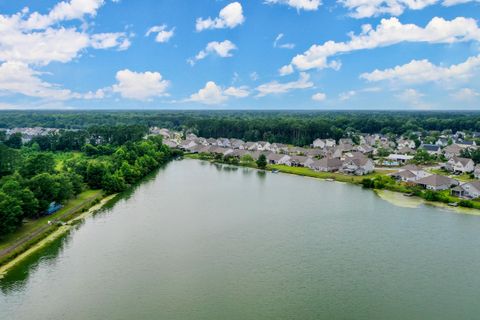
(262, 162)
(10, 213)
(8, 160)
(37, 163)
(368, 183)
(465, 203)
(14, 141)
(247, 159)
(422, 156)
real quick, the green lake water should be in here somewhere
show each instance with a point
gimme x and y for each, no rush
(206, 241)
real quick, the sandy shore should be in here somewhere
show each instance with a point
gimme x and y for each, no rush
(400, 200)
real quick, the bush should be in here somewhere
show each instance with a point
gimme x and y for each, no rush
(465, 203)
(368, 183)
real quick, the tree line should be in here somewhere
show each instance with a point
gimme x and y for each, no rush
(293, 127)
(112, 159)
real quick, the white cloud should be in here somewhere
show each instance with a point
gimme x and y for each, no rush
(372, 8)
(286, 70)
(240, 92)
(414, 98)
(140, 85)
(466, 95)
(421, 71)
(229, 17)
(344, 96)
(75, 9)
(110, 40)
(214, 94)
(388, 32)
(276, 43)
(19, 78)
(320, 96)
(308, 5)
(222, 49)
(163, 35)
(254, 76)
(275, 87)
(449, 3)
(38, 39)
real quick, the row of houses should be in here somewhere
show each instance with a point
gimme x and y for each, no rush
(29, 133)
(350, 163)
(418, 176)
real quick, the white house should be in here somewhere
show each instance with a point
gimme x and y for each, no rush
(326, 164)
(468, 190)
(460, 165)
(437, 182)
(358, 166)
(399, 158)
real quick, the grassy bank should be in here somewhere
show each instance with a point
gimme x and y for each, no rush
(326, 175)
(51, 236)
(33, 231)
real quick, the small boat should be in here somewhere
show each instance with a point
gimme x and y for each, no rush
(453, 204)
(275, 171)
(410, 194)
(330, 179)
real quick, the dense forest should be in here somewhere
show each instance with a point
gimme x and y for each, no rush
(295, 127)
(59, 166)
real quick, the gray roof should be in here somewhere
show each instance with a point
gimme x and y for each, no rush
(437, 180)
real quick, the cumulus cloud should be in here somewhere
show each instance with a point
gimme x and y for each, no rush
(466, 95)
(372, 8)
(421, 71)
(388, 32)
(140, 85)
(277, 44)
(19, 78)
(320, 96)
(75, 9)
(214, 94)
(275, 87)
(229, 17)
(413, 97)
(163, 34)
(29, 41)
(308, 5)
(222, 49)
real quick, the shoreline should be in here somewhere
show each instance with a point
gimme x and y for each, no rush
(60, 231)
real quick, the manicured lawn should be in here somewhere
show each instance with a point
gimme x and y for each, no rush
(31, 225)
(61, 157)
(326, 175)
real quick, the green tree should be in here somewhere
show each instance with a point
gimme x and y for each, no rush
(113, 183)
(262, 161)
(10, 214)
(14, 141)
(36, 164)
(95, 173)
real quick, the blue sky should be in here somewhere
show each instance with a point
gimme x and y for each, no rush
(256, 54)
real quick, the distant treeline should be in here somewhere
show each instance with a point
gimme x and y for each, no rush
(296, 127)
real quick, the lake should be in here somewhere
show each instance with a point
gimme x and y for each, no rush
(209, 241)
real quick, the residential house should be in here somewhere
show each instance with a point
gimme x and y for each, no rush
(356, 163)
(276, 158)
(406, 143)
(476, 172)
(432, 149)
(437, 182)
(405, 150)
(399, 158)
(327, 164)
(452, 150)
(460, 165)
(365, 149)
(466, 143)
(299, 161)
(319, 143)
(442, 142)
(467, 190)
